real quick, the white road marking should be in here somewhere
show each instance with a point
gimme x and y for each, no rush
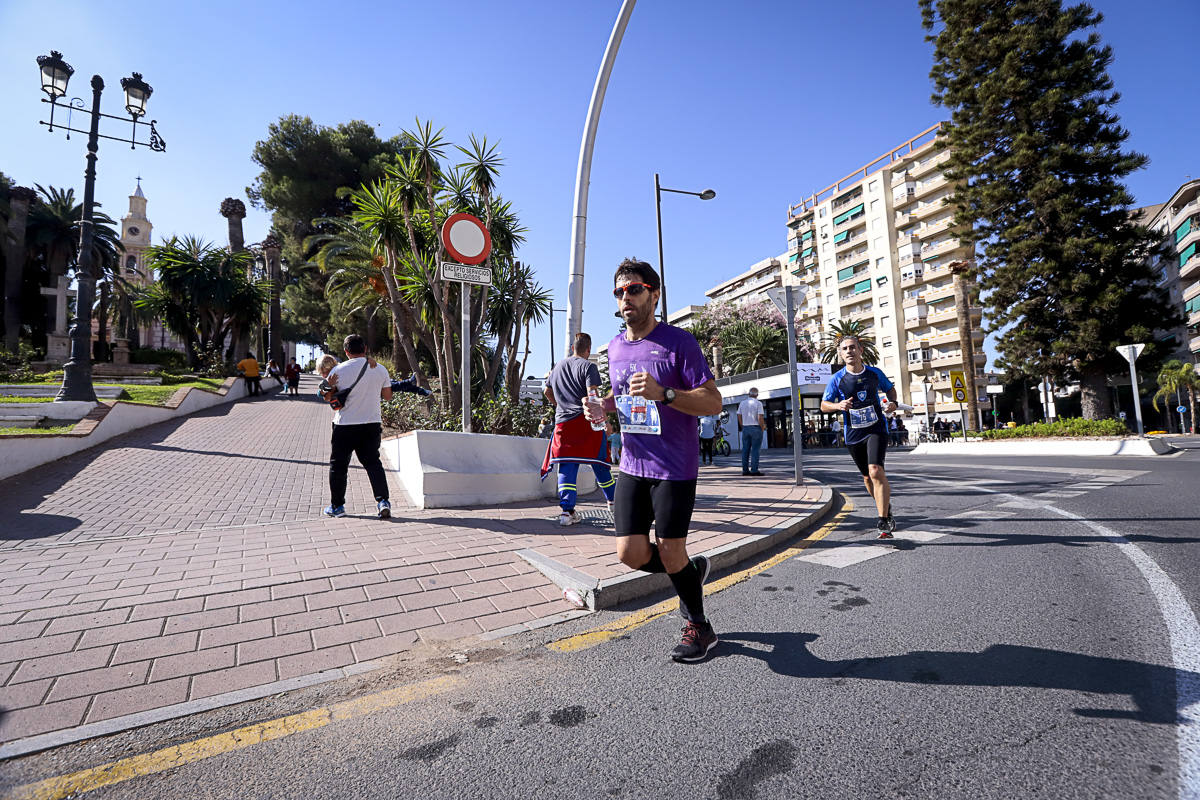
(989, 514)
(1183, 633)
(847, 554)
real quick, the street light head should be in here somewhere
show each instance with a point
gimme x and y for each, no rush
(55, 74)
(137, 92)
(707, 194)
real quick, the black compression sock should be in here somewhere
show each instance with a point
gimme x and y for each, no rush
(691, 592)
(655, 563)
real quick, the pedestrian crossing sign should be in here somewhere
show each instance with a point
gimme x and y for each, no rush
(958, 385)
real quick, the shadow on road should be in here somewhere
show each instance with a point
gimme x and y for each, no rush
(1150, 687)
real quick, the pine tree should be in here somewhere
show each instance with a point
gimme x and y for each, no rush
(1037, 154)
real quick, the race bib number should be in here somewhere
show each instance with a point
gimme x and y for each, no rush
(638, 415)
(863, 417)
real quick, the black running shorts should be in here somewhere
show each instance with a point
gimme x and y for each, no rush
(869, 451)
(639, 501)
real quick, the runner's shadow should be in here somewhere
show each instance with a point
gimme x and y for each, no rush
(1150, 687)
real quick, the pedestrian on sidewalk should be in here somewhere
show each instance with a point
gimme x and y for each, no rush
(576, 441)
(708, 434)
(661, 382)
(273, 371)
(292, 374)
(358, 386)
(854, 391)
(751, 424)
(248, 367)
(614, 442)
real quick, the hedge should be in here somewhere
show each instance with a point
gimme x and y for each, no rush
(1062, 427)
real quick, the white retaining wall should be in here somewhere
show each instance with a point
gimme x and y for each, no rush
(441, 469)
(20, 453)
(1048, 447)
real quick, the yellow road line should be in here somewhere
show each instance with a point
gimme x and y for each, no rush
(611, 630)
(88, 780)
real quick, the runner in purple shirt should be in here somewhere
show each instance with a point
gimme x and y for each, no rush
(661, 383)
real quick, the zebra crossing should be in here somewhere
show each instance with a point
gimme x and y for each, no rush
(845, 554)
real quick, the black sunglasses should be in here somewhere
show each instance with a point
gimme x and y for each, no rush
(632, 289)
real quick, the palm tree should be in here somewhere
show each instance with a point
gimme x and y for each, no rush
(961, 271)
(1174, 378)
(841, 329)
(749, 347)
(202, 291)
(19, 202)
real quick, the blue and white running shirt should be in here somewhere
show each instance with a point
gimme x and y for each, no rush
(865, 415)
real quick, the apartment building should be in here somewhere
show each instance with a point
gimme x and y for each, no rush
(750, 286)
(876, 247)
(1178, 220)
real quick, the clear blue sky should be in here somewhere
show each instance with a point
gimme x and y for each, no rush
(762, 101)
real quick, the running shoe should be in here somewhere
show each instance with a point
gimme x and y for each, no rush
(384, 508)
(698, 639)
(703, 565)
(334, 511)
(885, 531)
(891, 521)
(568, 518)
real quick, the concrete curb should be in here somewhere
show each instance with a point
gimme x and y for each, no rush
(614, 591)
(1049, 447)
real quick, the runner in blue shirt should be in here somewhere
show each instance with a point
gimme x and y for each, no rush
(854, 391)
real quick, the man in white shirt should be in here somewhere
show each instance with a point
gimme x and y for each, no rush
(751, 424)
(358, 426)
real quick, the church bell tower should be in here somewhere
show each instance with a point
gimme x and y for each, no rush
(135, 236)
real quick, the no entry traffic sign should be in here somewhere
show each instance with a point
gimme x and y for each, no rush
(466, 239)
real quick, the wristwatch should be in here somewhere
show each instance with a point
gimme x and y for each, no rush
(668, 396)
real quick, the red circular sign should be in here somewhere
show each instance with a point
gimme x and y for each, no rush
(466, 238)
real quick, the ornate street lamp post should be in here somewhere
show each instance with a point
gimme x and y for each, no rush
(707, 194)
(55, 74)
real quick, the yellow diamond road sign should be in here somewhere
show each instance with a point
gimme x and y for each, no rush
(958, 384)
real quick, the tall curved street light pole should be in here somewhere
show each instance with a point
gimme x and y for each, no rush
(707, 194)
(583, 176)
(55, 75)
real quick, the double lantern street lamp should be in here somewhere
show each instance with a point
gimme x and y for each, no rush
(707, 194)
(56, 73)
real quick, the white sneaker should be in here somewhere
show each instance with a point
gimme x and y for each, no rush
(566, 519)
(611, 508)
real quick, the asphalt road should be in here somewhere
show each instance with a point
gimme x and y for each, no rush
(1003, 649)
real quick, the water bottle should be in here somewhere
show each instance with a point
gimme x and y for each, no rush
(594, 397)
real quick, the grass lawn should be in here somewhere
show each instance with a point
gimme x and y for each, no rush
(55, 429)
(134, 393)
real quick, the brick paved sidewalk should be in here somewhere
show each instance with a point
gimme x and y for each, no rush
(189, 560)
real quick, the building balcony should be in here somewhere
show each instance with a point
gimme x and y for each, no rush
(949, 337)
(928, 187)
(903, 195)
(921, 363)
(1191, 291)
(855, 316)
(907, 238)
(860, 275)
(850, 240)
(929, 164)
(1191, 267)
(951, 312)
(934, 293)
(931, 207)
(933, 249)
(1178, 215)
(905, 218)
(955, 360)
(1193, 237)
(1194, 344)
(933, 228)
(918, 321)
(912, 280)
(1193, 319)
(843, 203)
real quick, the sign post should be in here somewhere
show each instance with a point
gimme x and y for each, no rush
(958, 388)
(785, 299)
(1131, 352)
(466, 238)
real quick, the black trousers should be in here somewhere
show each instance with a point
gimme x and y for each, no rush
(362, 441)
(706, 450)
(253, 386)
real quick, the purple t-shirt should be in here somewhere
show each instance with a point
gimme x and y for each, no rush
(673, 358)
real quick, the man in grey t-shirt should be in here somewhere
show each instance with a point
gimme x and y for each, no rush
(575, 442)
